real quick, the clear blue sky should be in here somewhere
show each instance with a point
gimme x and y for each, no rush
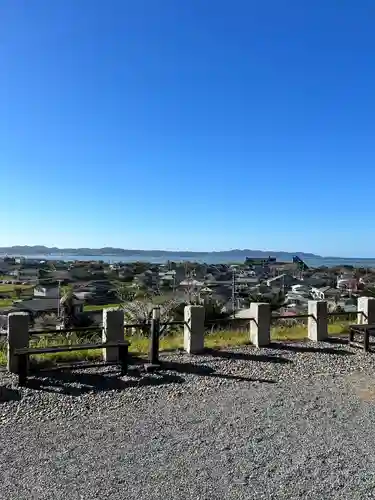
(188, 125)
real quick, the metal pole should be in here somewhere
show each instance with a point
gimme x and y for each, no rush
(154, 337)
(58, 299)
(234, 294)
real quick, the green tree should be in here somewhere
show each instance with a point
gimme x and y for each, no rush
(67, 313)
(276, 301)
(124, 293)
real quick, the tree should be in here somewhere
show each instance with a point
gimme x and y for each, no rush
(140, 312)
(42, 273)
(67, 313)
(276, 301)
(213, 310)
(124, 293)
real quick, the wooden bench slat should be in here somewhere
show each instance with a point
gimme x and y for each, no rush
(23, 355)
(68, 348)
(362, 327)
(366, 330)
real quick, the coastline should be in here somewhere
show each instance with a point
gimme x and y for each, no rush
(209, 258)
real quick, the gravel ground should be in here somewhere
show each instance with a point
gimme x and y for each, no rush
(294, 421)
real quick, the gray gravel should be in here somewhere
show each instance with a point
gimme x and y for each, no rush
(282, 423)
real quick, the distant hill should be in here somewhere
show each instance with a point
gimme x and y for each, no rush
(110, 251)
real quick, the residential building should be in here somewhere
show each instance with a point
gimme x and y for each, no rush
(192, 283)
(29, 274)
(324, 293)
(347, 282)
(41, 305)
(293, 299)
(51, 292)
(301, 289)
(84, 296)
(283, 281)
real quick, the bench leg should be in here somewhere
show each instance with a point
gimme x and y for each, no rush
(366, 341)
(123, 358)
(351, 335)
(22, 369)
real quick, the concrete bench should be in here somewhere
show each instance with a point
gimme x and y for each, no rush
(366, 331)
(23, 355)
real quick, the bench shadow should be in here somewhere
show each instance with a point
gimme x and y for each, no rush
(337, 340)
(264, 358)
(66, 380)
(308, 348)
(207, 371)
(61, 381)
(7, 394)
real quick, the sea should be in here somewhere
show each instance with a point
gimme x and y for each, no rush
(203, 258)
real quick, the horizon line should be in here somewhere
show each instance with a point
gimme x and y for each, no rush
(197, 252)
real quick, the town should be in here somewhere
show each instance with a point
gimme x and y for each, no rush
(38, 287)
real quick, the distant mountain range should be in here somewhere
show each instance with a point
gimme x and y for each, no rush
(110, 251)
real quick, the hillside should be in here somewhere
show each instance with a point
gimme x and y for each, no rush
(43, 250)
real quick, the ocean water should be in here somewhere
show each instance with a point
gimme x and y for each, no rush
(203, 258)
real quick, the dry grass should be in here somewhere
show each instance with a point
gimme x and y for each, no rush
(10, 288)
(6, 302)
(94, 307)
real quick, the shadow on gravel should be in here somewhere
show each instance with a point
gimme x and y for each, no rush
(217, 353)
(48, 365)
(337, 340)
(307, 348)
(207, 371)
(7, 395)
(60, 381)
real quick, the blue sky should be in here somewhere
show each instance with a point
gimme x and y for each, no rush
(188, 125)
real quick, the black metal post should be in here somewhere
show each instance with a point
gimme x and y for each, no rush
(154, 337)
(366, 340)
(22, 369)
(123, 358)
(351, 335)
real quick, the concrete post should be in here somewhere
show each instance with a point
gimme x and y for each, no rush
(366, 305)
(260, 324)
(113, 330)
(194, 329)
(18, 337)
(317, 324)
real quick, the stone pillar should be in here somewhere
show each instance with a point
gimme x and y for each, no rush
(317, 324)
(194, 329)
(113, 331)
(18, 337)
(366, 305)
(260, 324)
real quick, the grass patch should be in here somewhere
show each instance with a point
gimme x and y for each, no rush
(6, 302)
(140, 344)
(226, 338)
(11, 288)
(93, 307)
(6, 277)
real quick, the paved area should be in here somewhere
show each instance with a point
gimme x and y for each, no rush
(292, 421)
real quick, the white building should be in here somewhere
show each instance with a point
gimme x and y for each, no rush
(51, 292)
(303, 290)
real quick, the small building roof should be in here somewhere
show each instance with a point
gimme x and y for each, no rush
(40, 305)
(244, 313)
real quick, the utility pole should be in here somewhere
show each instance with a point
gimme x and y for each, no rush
(234, 294)
(58, 298)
